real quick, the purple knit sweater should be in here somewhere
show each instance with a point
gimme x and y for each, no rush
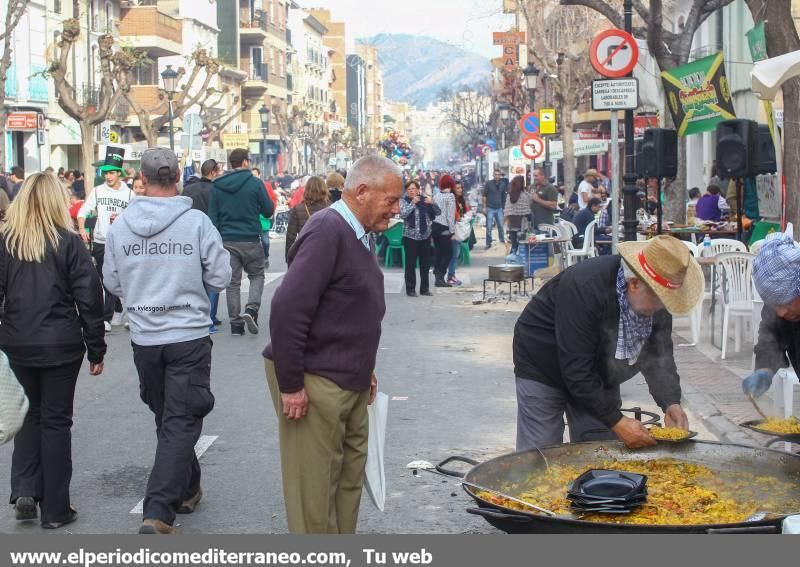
(326, 315)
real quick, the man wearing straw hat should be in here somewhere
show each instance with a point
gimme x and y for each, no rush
(776, 274)
(594, 326)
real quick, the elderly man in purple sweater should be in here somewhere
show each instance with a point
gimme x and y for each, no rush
(325, 325)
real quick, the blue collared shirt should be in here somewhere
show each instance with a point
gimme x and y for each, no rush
(341, 207)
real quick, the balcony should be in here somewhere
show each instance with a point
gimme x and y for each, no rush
(253, 29)
(145, 27)
(257, 80)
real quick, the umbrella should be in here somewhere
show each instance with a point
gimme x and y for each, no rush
(375, 474)
(769, 75)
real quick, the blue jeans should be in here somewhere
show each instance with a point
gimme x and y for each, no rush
(213, 297)
(451, 269)
(265, 244)
(491, 216)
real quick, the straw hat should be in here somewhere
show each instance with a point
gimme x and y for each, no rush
(591, 173)
(666, 266)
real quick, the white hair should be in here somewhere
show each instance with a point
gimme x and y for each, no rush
(368, 171)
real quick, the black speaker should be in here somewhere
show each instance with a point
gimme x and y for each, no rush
(766, 151)
(737, 148)
(659, 154)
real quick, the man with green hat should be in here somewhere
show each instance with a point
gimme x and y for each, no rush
(106, 201)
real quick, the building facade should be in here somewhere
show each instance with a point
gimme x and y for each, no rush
(357, 99)
(375, 101)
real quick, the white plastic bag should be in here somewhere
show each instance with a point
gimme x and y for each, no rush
(463, 230)
(375, 475)
(13, 402)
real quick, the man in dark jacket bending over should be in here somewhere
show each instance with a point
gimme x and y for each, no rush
(591, 328)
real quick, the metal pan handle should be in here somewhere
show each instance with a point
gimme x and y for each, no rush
(455, 459)
(500, 516)
(772, 529)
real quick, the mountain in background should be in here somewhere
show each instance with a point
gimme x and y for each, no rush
(416, 68)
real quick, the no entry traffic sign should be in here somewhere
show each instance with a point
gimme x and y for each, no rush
(614, 53)
(529, 123)
(532, 147)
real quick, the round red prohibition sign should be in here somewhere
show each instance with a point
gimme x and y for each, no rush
(614, 53)
(532, 147)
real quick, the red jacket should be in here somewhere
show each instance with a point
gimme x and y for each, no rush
(271, 193)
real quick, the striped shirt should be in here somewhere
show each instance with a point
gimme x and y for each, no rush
(447, 204)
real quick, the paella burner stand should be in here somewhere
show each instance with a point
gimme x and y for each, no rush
(522, 287)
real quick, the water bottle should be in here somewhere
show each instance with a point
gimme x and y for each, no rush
(706, 247)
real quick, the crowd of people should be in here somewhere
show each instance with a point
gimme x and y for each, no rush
(63, 280)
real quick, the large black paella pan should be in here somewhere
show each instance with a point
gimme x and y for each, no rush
(511, 473)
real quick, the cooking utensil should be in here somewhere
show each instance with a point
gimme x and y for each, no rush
(431, 468)
(507, 273)
(689, 435)
(517, 469)
(753, 426)
(755, 405)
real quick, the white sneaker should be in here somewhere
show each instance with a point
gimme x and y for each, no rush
(107, 326)
(116, 320)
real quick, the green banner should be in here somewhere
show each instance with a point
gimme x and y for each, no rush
(698, 95)
(757, 40)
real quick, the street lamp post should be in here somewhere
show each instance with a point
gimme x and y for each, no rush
(263, 114)
(629, 191)
(531, 74)
(170, 78)
(503, 111)
(306, 134)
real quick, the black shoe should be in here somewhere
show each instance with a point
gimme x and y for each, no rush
(250, 319)
(426, 292)
(73, 515)
(411, 293)
(442, 283)
(237, 328)
(216, 322)
(25, 508)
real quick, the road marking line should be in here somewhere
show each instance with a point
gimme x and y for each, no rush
(201, 447)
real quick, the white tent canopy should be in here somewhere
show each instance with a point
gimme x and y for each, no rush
(768, 76)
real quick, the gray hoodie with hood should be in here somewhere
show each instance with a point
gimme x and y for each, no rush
(163, 257)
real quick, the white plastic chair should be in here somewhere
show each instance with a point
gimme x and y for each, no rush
(696, 315)
(755, 247)
(549, 229)
(737, 293)
(588, 250)
(572, 230)
(723, 245)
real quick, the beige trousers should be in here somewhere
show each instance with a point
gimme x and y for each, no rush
(323, 456)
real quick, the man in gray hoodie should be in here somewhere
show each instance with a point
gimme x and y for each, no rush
(163, 257)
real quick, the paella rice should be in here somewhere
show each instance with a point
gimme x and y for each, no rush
(669, 433)
(788, 426)
(679, 493)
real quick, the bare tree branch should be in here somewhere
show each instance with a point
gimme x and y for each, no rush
(611, 13)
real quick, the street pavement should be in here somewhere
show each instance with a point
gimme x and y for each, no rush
(445, 362)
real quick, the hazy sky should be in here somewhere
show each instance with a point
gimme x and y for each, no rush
(466, 23)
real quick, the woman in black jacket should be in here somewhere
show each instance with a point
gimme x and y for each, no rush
(52, 316)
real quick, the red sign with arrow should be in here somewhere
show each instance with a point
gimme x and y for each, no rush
(614, 53)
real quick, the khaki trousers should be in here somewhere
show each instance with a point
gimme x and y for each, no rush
(323, 456)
